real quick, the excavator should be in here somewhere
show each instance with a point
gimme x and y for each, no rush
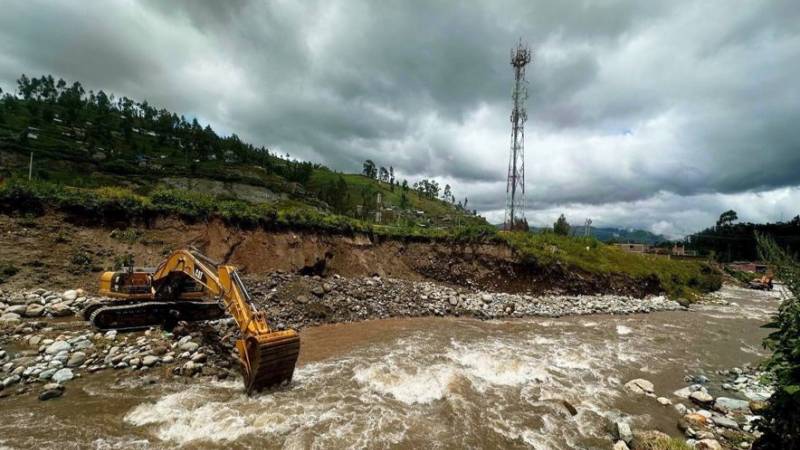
(188, 286)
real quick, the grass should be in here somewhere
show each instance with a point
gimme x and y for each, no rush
(663, 443)
(680, 279)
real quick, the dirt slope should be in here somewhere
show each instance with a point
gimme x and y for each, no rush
(61, 252)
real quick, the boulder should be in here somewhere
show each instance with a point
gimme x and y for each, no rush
(58, 347)
(318, 291)
(71, 295)
(63, 375)
(487, 298)
(76, 359)
(664, 401)
(725, 422)
(687, 391)
(694, 421)
(149, 360)
(623, 431)
(640, 386)
(34, 310)
(51, 390)
(725, 404)
(9, 318)
(16, 309)
(702, 398)
(708, 444)
(620, 445)
(60, 310)
(189, 346)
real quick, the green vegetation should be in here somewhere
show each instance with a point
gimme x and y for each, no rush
(741, 276)
(729, 241)
(781, 422)
(664, 443)
(680, 279)
(92, 139)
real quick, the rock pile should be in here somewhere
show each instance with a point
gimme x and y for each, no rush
(296, 301)
(38, 303)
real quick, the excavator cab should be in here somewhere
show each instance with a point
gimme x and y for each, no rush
(188, 286)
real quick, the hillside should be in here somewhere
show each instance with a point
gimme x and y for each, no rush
(94, 140)
(118, 170)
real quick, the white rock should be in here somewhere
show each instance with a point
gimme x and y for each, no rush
(57, 347)
(63, 375)
(640, 386)
(624, 431)
(71, 294)
(664, 401)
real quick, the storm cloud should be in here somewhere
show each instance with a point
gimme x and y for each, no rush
(650, 114)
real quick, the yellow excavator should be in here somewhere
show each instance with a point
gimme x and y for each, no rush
(188, 286)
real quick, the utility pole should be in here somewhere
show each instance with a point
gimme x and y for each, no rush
(515, 185)
(30, 167)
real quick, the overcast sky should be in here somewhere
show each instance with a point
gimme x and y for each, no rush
(658, 115)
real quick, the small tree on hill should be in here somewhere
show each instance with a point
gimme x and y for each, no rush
(369, 169)
(561, 226)
(727, 218)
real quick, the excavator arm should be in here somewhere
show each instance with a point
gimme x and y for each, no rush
(267, 357)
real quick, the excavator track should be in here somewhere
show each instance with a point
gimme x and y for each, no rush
(135, 315)
(268, 360)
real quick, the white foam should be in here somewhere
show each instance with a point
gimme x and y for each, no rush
(622, 330)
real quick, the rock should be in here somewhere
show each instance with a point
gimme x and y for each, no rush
(48, 394)
(640, 386)
(453, 301)
(76, 359)
(572, 410)
(34, 341)
(486, 298)
(9, 318)
(302, 299)
(327, 287)
(199, 357)
(694, 421)
(12, 380)
(167, 359)
(135, 362)
(149, 360)
(701, 398)
(159, 349)
(60, 310)
(620, 445)
(758, 406)
(34, 310)
(623, 431)
(71, 295)
(189, 346)
(664, 401)
(111, 335)
(687, 391)
(708, 444)
(725, 404)
(725, 422)
(47, 374)
(63, 375)
(318, 291)
(58, 347)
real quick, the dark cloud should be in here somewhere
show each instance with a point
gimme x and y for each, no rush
(629, 101)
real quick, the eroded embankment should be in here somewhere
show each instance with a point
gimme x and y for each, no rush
(68, 251)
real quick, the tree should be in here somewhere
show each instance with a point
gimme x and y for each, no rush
(727, 218)
(405, 186)
(403, 200)
(561, 227)
(369, 169)
(447, 195)
(384, 175)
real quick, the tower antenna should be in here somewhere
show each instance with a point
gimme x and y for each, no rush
(515, 186)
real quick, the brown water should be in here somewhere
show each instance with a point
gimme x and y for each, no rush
(419, 383)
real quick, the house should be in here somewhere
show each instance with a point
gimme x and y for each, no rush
(634, 248)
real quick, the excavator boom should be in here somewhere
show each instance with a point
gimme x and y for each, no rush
(173, 292)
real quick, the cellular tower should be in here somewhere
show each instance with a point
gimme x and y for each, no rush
(515, 187)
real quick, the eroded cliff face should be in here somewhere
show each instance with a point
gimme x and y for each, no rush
(68, 252)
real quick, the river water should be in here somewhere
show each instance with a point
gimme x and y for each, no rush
(420, 383)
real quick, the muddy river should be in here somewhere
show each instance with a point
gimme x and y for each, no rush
(420, 383)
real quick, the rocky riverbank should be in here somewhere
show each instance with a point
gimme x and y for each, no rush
(46, 344)
(708, 422)
(297, 301)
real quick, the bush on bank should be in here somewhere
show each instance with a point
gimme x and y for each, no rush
(781, 421)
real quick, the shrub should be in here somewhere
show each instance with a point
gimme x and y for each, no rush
(781, 421)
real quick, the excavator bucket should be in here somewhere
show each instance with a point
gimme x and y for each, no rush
(268, 359)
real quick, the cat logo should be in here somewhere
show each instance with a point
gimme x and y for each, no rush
(198, 274)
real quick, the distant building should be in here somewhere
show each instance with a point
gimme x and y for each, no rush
(749, 266)
(634, 248)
